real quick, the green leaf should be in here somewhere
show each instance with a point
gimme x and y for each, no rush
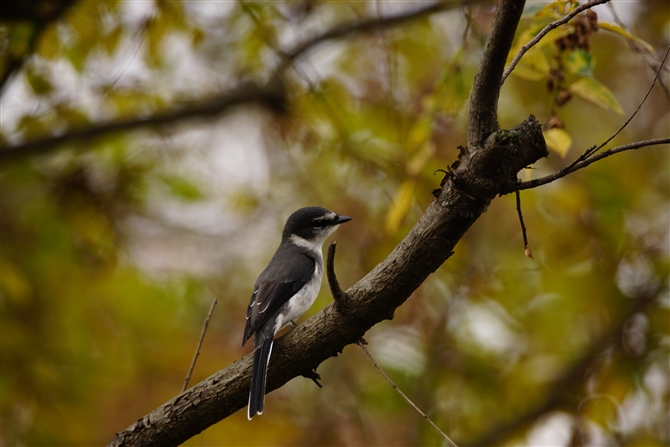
(596, 93)
(558, 140)
(580, 62)
(622, 32)
(181, 187)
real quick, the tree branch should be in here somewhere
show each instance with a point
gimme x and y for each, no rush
(361, 26)
(272, 95)
(486, 88)
(584, 163)
(544, 32)
(42, 15)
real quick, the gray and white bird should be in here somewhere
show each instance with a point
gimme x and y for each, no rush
(286, 288)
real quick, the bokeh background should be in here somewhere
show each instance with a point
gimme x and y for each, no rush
(113, 248)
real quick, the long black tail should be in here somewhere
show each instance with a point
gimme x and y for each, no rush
(258, 375)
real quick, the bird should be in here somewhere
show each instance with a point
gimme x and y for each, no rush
(286, 289)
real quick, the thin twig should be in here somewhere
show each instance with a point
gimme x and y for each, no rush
(197, 350)
(544, 32)
(361, 343)
(584, 163)
(650, 57)
(651, 87)
(363, 25)
(526, 247)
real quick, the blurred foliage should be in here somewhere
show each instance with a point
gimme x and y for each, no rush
(113, 248)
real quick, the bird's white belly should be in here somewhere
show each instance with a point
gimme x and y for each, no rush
(301, 301)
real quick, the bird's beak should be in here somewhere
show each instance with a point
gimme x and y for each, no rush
(343, 219)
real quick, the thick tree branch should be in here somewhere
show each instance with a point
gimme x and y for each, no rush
(584, 163)
(465, 195)
(486, 89)
(544, 32)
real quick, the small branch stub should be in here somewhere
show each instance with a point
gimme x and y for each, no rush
(342, 300)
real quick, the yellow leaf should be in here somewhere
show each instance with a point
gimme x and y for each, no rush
(551, 11)
(532, 68)
(420, 158)
(420, 131)
(401, 204)
(558, 140)
(596, 93)
(623, 33)
(530, 34)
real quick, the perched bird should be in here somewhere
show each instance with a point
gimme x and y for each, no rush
(286, 288)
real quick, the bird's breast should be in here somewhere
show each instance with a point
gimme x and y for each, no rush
(304, 298)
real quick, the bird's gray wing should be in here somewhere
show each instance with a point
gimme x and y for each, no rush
(275, 287)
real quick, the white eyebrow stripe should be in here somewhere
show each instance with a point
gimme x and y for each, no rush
(329, 216)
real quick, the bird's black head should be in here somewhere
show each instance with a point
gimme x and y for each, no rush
(313, 224)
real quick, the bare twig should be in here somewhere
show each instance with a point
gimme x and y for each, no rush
(362, 344)
(544, 32)
(361, 26)
(584, 163)
(650, 57)
(527, 251)
(651, 87)
(197, 349)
